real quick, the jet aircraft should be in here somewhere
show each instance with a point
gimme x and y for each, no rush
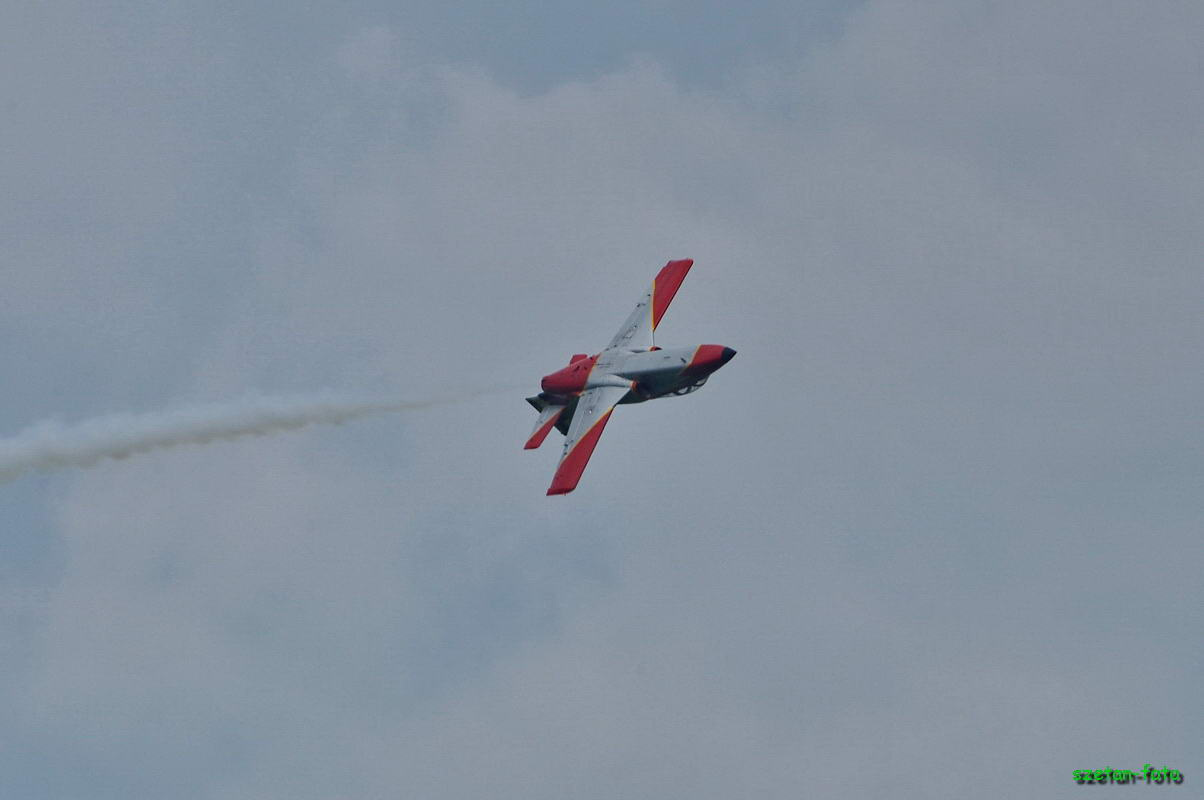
(578, 399)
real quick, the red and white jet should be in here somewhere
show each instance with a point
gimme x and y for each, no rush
(578, 399)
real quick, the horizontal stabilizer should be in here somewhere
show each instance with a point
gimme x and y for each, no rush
(547, 420)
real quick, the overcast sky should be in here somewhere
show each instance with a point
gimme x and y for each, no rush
(935, 532)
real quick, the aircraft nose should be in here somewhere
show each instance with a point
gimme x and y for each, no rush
(710, 357)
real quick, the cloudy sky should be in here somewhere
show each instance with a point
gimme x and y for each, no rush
(935, 532)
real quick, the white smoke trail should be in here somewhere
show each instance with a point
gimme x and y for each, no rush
(53, 445)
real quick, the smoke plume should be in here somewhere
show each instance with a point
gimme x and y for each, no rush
(53, 445)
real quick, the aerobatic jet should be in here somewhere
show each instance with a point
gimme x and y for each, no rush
(578, 399)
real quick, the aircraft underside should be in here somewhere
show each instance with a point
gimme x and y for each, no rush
(636, 395)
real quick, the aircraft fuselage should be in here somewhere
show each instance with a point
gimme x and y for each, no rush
(660, 372)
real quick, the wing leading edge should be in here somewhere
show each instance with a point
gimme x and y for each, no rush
(589, 420)
(637, 331)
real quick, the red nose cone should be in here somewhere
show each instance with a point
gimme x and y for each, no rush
(571, 379)
(710, 357)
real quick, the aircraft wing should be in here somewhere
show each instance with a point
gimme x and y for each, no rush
(589, 420)
(636, 333)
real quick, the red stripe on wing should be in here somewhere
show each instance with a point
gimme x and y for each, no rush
(665, 285)
(537, 438)
(573, 464)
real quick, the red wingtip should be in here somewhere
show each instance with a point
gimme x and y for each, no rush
(665, 285)
(573, 465)
(542, 432)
